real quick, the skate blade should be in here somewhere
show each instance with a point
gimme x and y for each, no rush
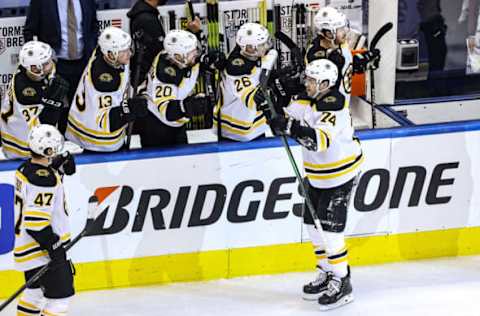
(343, 301)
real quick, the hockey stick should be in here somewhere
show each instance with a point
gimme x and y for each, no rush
(92, 213)
(140, 50)
(373, 44)
(264, 76)
(296, 52)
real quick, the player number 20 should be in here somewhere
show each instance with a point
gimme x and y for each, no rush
(163, 91)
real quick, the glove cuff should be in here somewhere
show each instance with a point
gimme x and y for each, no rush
(50, 102)
(182, 106)
(288, 128)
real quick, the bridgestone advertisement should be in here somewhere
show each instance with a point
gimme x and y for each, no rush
(248, 198)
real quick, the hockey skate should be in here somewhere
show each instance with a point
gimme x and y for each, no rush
(338, 293)
(314, 289)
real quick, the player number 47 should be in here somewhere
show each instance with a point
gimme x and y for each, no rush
(43, 199)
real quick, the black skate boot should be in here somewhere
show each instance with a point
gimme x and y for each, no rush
(338, 293)
(313, 290)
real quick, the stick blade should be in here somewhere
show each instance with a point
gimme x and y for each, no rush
(380, 33)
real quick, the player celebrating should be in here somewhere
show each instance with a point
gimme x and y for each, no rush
(332, 156)
(169, 85)
(42, 227)
(332, 27)
(35, 95)
(101, 109)
(239, 118)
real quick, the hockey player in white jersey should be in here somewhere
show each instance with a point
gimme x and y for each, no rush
(332, 157)
(170, 84)
(101, 108)
(42, 227)
(237, 111)
(35, 95)
(332, 27)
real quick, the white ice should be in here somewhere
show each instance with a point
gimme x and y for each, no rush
(429, 287)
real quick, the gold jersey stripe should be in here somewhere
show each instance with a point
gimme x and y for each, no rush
(336, 175)
(33, 256)
(93, 141)
(329, 165)
(80, 126)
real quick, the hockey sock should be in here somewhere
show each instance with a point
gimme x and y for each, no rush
(56, 307)
(319, 248)
(337, 254)
(29, 303)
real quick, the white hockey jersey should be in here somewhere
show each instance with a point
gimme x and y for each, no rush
(21, 107)
(100, 89)
(236, 108)
(166, 82)
(39, 203)
(338, 154)
(342, 57)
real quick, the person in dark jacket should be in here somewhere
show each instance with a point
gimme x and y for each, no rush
(147, 32)
(70, 27)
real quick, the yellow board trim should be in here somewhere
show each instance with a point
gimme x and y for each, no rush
(271, 259)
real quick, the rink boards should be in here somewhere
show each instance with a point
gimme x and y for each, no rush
(222, 210)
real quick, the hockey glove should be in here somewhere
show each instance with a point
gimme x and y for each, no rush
(56, 251)
(362, 61)
(374, 56)
(194, 105)
(304, 135)
(280, 125)
(212, 61)
(51, 242)
(306, 184)
(138, 106)
(287, 86)
(56, 91)
(64, 163)
(260, 101)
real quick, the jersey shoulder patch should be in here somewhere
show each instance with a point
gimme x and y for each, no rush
(238, 65)
(105, 78)
(27, 92)
(38, 175)
(332, 101)
(167, 72)
(316, 51)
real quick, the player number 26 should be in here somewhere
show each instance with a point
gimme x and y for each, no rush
(242, 83)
